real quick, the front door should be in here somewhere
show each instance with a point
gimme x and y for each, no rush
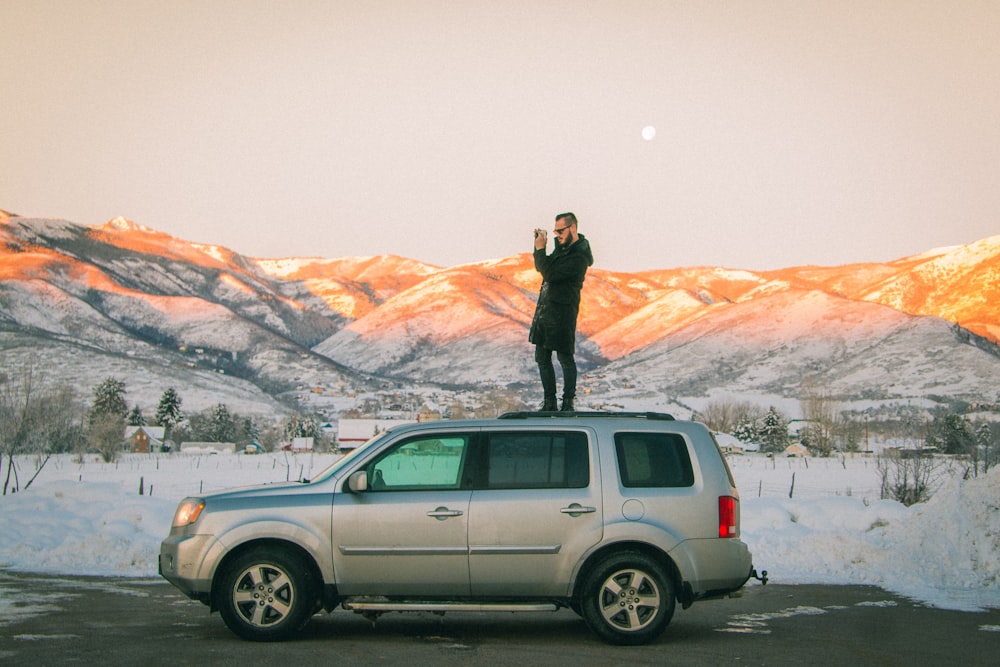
(408, 533)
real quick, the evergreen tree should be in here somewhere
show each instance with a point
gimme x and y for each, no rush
(107, 418)
(168, 411)
(222, 425)
(774, 433)
(248, 431)
(299, 426)
(109, 399)
(984, 442)
(951, 433)
(135, 417)
(291, 428)
(746, 430)
(961, 439)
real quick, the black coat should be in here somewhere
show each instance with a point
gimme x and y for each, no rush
(554, 324)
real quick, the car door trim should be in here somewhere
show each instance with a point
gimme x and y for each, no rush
(518, 549)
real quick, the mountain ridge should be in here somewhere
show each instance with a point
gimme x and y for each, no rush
(343, 326)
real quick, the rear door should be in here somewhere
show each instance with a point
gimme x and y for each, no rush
(536, 509)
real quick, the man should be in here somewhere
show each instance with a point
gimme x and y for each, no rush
(553, 328)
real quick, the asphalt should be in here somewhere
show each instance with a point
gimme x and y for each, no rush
(58, 620)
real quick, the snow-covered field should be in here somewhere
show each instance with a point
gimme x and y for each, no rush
(88, 517)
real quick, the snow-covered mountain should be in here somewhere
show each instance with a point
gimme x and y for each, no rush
(82, 303)
(122, 299)
(777, 344)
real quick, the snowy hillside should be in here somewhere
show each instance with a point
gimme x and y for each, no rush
(771, 345)
(275, 334)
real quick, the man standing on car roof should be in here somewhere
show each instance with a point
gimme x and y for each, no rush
(553, 328)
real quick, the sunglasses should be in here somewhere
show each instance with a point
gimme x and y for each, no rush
(561, 229)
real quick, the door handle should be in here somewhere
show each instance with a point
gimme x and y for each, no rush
(442, 513)
(576, 509)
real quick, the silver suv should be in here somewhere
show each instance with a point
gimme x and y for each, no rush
(617, 516)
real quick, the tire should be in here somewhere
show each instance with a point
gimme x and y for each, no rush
(266, 594)
(628, 599)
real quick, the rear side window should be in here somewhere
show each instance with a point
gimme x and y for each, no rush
(653, 460)
(537, 460)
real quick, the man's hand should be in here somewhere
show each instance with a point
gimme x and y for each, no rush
(541, 239)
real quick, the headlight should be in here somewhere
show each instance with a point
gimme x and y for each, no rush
(188, 512)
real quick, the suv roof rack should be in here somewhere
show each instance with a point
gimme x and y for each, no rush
(525, 414)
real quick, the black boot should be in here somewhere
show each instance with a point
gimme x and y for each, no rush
(548, 404)
(567, 405)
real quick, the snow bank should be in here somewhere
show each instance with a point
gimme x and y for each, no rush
(89, 519)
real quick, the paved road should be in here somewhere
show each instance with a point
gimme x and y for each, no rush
(50, 620)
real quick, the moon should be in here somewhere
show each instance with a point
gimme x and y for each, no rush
(648, 132)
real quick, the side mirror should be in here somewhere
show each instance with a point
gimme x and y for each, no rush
(358, 482)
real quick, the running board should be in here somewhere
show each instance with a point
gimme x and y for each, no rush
(364, 606)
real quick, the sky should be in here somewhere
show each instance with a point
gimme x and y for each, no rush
(788, 132)
(84, 517)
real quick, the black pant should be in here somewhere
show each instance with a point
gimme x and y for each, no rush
(543, 358)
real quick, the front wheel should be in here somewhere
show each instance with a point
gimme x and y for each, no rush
(266, 594)
(628, 599)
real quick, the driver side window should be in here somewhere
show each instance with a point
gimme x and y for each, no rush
(422, 463)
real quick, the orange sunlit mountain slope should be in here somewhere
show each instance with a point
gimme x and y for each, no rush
(403, 318)
(621, 312)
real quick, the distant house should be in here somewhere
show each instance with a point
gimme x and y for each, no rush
(732, 445)
(144, 439)
(797, 450)
(354, 432)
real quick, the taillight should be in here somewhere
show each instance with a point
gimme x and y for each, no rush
(727, 517)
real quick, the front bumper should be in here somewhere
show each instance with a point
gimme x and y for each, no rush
(182, 562)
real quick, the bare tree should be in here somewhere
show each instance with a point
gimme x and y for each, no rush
(724, 415)
(34, 421)
(498, 402)
(717, 416)
(908, 476)
(18, 418)
(107, 434)
(820, 411)
(12, 415)
(457, 410)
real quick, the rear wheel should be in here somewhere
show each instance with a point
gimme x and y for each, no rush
(266, 594)
(628, 599)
